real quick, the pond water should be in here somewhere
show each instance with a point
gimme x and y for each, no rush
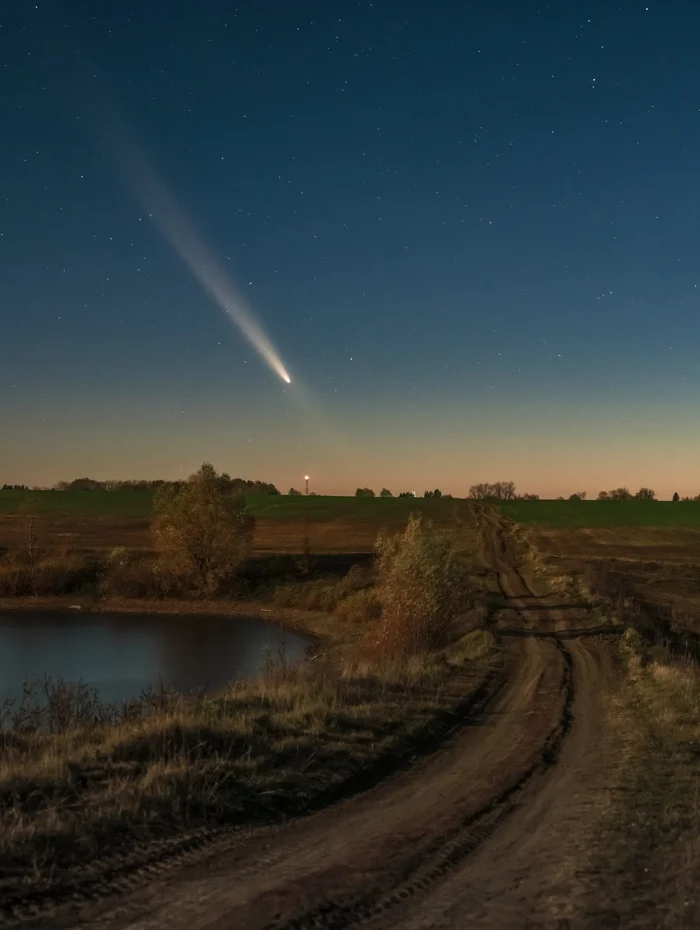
(121, 655)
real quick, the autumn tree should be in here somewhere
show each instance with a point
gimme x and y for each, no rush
(203, 531)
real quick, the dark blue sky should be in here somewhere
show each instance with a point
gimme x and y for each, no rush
(470, 231)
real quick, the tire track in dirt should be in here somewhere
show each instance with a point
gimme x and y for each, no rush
(124, 871)
(470, 836)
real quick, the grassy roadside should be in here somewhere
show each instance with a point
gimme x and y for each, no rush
(647, 867)
(254, 752)
(643, 861)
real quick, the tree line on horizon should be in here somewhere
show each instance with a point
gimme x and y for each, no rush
(497, 490)
(226, 482)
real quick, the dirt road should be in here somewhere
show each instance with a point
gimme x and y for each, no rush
(487, 832)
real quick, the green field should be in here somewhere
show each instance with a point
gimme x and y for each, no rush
(137, 504)
(591, 514)
(571, 514)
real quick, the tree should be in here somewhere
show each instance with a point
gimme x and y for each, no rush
(675, 496)
(145, 485)
(364, 492)
(503, 490)
(203, 531)
(31, 544)
(531, 497)
(427, 493)
(621, 494)
(292, 492)
(499, 490)
(603, 496)
(407, 494)
(437, 492)
(385, 492)
(574, 497)
(645, 494)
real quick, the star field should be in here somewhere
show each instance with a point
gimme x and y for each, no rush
(469, 230)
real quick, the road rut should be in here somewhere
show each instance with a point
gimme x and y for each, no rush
(486, 832)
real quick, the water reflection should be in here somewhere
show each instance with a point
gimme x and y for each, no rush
(123, 654)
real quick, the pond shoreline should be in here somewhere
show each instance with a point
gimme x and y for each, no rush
(321, 628)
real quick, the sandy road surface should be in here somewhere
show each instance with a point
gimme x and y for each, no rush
(486, 832)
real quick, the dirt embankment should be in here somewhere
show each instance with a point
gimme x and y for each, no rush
(490, 831)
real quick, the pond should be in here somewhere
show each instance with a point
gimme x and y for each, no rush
(121, 655)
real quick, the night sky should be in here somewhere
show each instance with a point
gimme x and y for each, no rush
(470, 231)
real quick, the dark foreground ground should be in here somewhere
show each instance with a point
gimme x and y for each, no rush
(562, 797)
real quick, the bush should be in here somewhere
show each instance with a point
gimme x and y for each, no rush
(308, 595)
(423, 586)
(49, 577)
(128, 575)
(359, 607)
(324, 594)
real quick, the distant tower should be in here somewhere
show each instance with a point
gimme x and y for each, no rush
(306, 479)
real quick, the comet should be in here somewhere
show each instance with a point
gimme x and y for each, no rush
(176, 228)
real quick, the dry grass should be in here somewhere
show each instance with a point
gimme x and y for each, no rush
(50, 576)
(645, 862)
(325, 593)
(651, 852)
(81, 780)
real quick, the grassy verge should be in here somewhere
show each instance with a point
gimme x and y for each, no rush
(648, 864)
(257, 751)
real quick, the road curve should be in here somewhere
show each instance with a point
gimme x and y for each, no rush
(486, 832)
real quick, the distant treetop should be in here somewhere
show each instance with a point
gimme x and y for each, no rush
(498, 490)
(225, 482)
(624, 494)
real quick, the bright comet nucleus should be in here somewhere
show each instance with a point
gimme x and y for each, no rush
(176, 228)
